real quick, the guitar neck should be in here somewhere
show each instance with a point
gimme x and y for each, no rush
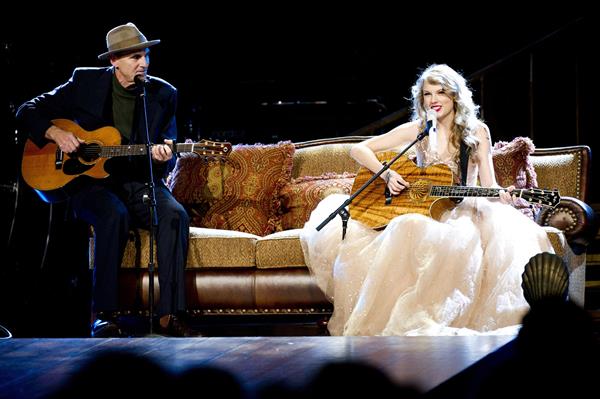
(110, 151)
(532, 195)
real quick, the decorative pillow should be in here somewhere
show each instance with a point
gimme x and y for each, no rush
(195, 180)
(252, 176)
(512, 166)
(300, 197)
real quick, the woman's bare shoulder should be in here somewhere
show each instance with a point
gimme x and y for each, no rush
(411, 127)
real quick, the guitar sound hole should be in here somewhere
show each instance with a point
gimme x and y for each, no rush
(89, 152)
(419, 190)
(72, 167)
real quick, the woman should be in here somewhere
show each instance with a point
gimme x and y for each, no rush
(420, 276)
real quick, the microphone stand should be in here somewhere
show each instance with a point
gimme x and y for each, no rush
(343, 212)
(150, 200)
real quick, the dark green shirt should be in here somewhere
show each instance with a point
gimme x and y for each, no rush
(123, 106)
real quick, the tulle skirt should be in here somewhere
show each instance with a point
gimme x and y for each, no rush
(419, 276)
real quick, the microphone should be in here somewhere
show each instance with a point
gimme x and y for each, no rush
(431, 128)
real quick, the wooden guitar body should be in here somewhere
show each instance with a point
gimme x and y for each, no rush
(53, 173)
(370, 208)
(48, 168)
(431, 192)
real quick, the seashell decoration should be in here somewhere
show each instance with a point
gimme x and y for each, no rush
(545, 276)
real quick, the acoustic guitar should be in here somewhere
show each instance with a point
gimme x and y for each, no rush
(54, 174)
(430, 193)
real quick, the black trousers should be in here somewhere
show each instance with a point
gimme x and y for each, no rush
(113, 208)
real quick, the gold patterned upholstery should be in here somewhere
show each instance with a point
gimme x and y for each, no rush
(208, 248)
(566, 169)
(314, 161)
(280, 249)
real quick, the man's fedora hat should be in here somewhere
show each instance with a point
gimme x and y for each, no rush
(125, 38)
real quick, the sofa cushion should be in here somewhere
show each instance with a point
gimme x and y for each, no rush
(281, 249)
(207, 248)
(300, 197)
(512, 166)
(221, 248)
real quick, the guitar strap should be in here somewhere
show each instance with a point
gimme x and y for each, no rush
(464, 162)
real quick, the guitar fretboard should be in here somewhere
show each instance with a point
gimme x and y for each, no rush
(140, 149)
(122, 150)
(466, 191)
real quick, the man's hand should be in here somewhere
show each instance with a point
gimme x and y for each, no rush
(162, 152)
(66, 141)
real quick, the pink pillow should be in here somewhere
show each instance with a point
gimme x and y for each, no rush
(301, 196)
(512, 166)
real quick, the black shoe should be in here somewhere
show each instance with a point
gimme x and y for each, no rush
(177, 328)
(105, 329)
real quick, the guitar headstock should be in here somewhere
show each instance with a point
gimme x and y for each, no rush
(211, 149)
(549, 198)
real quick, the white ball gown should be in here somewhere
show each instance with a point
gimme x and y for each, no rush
(457, 276)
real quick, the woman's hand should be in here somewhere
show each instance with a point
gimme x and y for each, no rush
(394, 181)
(506, 197)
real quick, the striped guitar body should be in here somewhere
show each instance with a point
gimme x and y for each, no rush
(430, 193)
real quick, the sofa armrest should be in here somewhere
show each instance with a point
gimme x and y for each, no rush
(575, 219)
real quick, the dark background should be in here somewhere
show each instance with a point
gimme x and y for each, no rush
(290, 71)
(303, 72)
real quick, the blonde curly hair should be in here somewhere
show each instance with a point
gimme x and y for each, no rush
(466, 119)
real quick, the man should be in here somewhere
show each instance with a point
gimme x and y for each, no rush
(110, 96)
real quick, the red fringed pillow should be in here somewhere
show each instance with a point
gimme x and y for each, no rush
(252, 177)
(512, 166)
(300, 197)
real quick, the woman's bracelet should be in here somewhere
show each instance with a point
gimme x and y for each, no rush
(387, 177)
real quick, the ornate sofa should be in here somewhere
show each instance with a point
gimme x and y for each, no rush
(237, 273)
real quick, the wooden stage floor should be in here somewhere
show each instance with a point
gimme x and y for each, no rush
(32, 367)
